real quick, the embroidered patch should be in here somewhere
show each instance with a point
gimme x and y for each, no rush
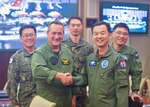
(105, 64)
(136, 55)
(123, 64)
(65, 61)
(10, 61)
(93, 63)
(53, 60)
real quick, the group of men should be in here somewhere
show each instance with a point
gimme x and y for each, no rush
(60, 71)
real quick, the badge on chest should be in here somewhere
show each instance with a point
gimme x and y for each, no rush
(53, 60)
(65, 61)
(105, 64)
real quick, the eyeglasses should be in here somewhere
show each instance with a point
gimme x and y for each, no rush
(121, 33)
(26, 35)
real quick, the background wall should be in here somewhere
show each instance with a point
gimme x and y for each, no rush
(4, 60)
(141, 43)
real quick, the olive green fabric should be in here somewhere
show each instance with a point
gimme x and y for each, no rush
(107, 80)
(20, 87)
(45, 65)
(134, 65)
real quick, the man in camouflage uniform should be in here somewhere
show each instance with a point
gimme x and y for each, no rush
(134, 65)
(81, 49)
(21, 88)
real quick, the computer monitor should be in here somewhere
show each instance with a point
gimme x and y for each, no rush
(134, 15)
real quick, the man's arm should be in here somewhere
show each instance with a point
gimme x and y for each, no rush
(136, 72)
(13, 81)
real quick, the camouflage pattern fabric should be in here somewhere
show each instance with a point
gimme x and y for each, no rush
(80, 51)
(20, 88)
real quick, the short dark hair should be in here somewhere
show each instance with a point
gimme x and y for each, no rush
(121, 25)
(101, 23)
(74, 17)
(26, 26)
(57, 23)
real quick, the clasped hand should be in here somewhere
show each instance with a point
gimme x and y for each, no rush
(65, 78)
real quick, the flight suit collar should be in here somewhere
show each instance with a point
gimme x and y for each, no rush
(121, 50)
(108, 53)
(50, 49)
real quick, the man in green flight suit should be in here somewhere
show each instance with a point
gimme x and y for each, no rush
(53, 67)
(105, 71)
(134, 66)
(81, 49)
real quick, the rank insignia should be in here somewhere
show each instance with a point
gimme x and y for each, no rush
(105, 64)
(123, 64)
(65, 61)
(53, 60)
(92, 63)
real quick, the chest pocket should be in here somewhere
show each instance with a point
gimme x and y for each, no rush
(122, 76)
(81, 54)
(25, 72)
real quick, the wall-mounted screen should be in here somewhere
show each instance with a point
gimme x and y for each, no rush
(134, 15)
(14, 13)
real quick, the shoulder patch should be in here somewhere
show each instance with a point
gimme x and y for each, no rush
(10, 61)
(136, 55)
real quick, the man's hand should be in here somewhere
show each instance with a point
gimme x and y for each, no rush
(65, 78)
(74, 101)
(134, 96)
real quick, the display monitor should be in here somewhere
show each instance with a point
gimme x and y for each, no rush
(14, 13)
(134, 15)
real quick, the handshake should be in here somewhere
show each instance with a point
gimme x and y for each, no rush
(65, 78)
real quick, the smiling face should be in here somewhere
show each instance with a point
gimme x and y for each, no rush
(55, 35)
(101, 36)
(28, 38)
(120, 36)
